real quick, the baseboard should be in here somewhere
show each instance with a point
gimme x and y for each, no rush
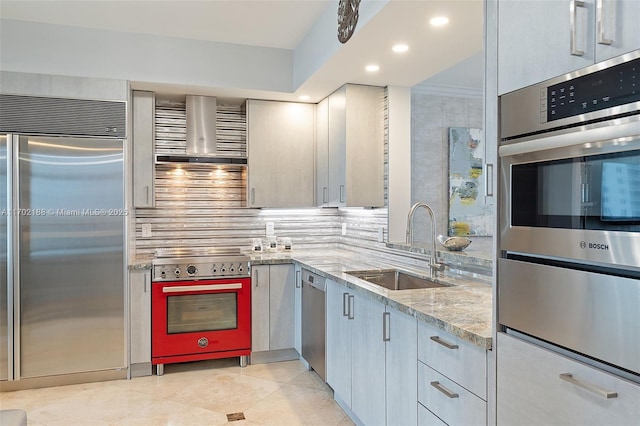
(141, 369)
(274, 356)
(63, 380)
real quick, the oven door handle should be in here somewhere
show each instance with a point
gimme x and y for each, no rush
(191, 288)
(623, 137)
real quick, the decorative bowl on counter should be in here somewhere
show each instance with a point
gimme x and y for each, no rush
(454, 243)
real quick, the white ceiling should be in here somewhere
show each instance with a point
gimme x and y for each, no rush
(266, 23)
(284, 24)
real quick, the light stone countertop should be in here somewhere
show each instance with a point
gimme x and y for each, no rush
(463, 308)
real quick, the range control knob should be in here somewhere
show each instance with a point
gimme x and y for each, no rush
(191, 270)
(214, 269)
(223, 268)
(177, 272)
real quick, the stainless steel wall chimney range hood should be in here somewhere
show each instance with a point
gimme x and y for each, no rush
(201, 135)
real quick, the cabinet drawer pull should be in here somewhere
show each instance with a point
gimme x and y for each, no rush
(573, 17)
(342, 193)
(325, 198)
(345, 302)
(298, 280)
(386, 326)
(444, 343)
(444, 390)
(568, 377)
(488, 180)
(351, 306)
(600, 24)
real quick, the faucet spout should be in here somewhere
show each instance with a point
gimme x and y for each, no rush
(433, 264)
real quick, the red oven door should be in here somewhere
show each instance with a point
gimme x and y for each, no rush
(199, 317)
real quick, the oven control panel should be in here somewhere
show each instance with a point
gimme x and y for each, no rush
(190, 269)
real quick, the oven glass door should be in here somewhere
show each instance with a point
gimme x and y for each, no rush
(202, 312)
(597, 192)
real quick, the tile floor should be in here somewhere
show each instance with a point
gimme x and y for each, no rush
(200, 393)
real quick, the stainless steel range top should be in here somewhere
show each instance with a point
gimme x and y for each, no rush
(173, 264)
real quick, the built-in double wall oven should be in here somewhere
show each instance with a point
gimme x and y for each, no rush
(569, 267)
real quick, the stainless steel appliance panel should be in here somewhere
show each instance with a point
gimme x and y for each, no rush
(70, 268)
(591, 313)
(313, 321)
(524, 111)
(620, 248)
(4, 307)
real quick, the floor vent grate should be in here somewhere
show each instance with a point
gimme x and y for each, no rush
(235, 417)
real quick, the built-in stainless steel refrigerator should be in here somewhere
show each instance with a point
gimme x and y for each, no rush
(62, 259)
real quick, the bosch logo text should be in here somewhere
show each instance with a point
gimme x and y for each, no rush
(595, 246)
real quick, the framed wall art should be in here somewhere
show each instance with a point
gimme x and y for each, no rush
(468, 213)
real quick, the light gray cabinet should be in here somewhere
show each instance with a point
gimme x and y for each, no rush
(349, 135)
(535, 38)
(272, 308)
(322, 154)
(537, 386)
(280, 146)
(371, 358)
(140, 323)
(143, 140)
(452, 377)
(368, 361)
(401, 353)
(339, 307)
(298, 309)
(281, 307)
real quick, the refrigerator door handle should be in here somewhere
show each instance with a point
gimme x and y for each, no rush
(13, 257)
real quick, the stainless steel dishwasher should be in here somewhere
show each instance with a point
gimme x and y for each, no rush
(313, 321)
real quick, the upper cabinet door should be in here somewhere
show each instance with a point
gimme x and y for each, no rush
(538, 40)
(322, 153)
(143, 125)
(617, 27)
(337, 147)
(353, 146)
(365, 146)
(534, 40)
(280, 139)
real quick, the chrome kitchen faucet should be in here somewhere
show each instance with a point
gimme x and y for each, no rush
(433, 264)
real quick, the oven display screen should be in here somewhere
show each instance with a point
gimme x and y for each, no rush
(617, 85)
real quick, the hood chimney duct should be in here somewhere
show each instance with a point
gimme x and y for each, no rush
(201, 125)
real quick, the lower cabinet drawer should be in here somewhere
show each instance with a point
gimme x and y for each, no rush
(457, 359)
(537, 386)
(449, 401)
(427, 418)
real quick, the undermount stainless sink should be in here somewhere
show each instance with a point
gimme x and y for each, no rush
(394, 279)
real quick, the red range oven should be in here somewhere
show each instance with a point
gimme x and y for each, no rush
(201, 307)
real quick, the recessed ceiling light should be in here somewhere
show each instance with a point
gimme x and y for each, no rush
(304, 97)
(439, 21)
(400, 48)
(372, 68)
